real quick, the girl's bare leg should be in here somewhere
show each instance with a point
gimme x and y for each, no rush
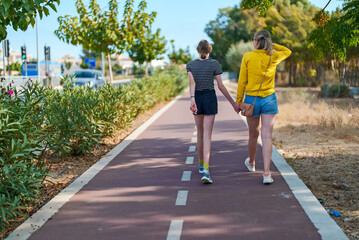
(253, 125)
(266, 134)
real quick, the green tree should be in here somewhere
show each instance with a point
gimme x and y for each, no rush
(68, 65)
(100, 31)
(16, 66)
(148, 48)
(84, 65)
(231, 25)
(261, 6)
(288, 21)
(21, 13)
(332, 39)
(351, 9)
(236, 53)
(333, 35)
(89, 54)
(117, 67)
(180, 56)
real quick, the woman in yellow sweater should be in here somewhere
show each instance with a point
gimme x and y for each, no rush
(258, 63)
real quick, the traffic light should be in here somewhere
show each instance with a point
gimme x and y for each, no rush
(47, 53)
(23, 53)
(6, 48)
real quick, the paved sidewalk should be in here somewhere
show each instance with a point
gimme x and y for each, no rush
(152, 190)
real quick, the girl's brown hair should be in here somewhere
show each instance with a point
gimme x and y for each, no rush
(265, 42)
(204, 48)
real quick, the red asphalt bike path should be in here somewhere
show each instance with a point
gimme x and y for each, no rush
(134, 196)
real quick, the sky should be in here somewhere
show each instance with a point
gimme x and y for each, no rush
(182, 21)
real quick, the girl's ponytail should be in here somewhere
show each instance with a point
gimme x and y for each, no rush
(204, 48)
(265, 41)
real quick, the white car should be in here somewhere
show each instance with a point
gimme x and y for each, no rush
(88, 77)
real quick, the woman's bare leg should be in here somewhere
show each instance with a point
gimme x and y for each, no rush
(207, 137)
(253, 125)
(266, 134)
(199, 124)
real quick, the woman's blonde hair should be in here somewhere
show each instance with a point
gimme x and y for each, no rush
(204, 48)
(265, 42)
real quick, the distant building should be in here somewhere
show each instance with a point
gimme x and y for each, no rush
(69, 60)
(127, 63)
(15, 56)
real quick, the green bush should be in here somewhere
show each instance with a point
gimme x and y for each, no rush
(21, 172)
(21, 134)
(235, 54)
(70, 128)
(335, 91)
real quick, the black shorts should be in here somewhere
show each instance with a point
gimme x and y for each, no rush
(206, 101)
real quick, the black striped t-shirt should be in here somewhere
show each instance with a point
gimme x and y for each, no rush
(203, 72)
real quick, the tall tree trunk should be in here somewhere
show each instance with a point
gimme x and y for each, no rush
(110, 67)
(103, 64)
(146, 69)
(344, 73)
(290, 73)
(295, 74)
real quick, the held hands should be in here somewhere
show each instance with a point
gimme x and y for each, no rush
(236, 107)
(193, 106)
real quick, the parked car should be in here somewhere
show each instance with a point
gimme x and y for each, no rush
(88, 77)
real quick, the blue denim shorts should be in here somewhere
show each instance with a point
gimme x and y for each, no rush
(266, 105)
(206, 101)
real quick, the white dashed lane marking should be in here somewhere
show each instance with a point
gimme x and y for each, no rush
(186, 176)
(192, 148)
(174, 233)
(182, 198)
(189, 160)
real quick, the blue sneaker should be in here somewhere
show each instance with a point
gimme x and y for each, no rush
(200, 168)
(206, 178)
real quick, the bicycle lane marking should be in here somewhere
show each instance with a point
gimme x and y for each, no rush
(174, 233)
(175, 230)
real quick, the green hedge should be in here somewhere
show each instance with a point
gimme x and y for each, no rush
(72, 122)
(335, 91)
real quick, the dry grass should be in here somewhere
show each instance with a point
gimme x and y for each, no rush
(339, 119)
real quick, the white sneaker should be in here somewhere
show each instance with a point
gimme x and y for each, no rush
(250, 168)
(267, 179)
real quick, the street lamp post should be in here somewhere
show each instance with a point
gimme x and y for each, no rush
(3, 54)
(37, 51)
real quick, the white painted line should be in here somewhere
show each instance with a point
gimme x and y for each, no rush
(189, 160)
(327, 227)
(174, 233)
(194, 140)
(33, 223)
(186, 176)
(192, 148)
(182, 198)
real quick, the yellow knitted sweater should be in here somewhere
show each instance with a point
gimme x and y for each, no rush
(253, 66)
